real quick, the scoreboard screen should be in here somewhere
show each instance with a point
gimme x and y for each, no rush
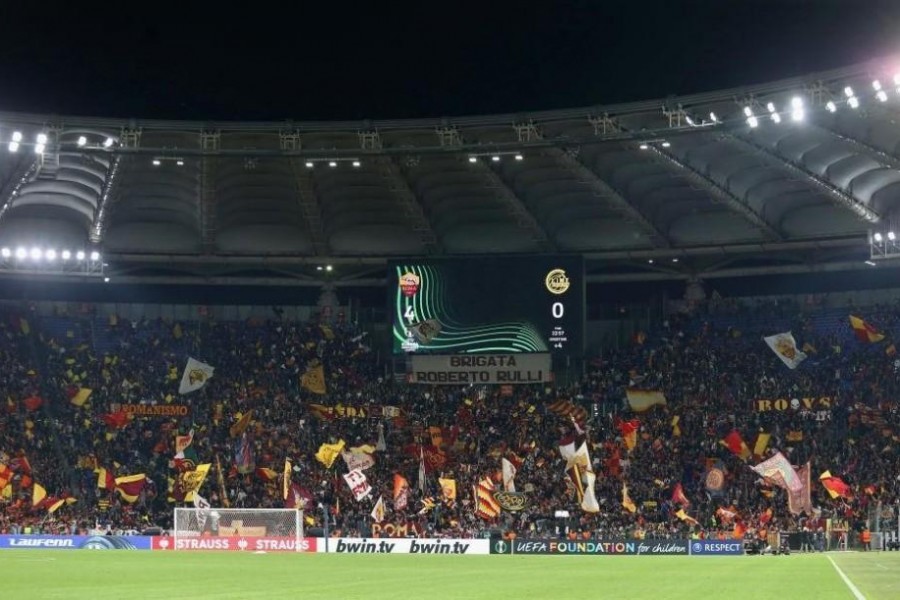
(487, 305)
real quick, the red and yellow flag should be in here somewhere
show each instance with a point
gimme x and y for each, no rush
(130, 486)
(734, 442)
(865, 332)
(835, 485)
(627, 502)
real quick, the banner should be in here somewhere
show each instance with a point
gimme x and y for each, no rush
(785, 404)
(356, 481)
(329, 413)
(156, 410)
(74, 542)
(717, 547)
(480, 369)
(397, 529)
(595, 547)
(785, 347)
(195, 376)
(237, 544)
(406, 546)
(642, 400)
(511, 501)
(357, 461)
(780, 472)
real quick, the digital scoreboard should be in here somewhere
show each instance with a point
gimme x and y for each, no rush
(487, 305)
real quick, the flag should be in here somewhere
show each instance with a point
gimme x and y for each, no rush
(865, 332)
(779, 471)
(891, 350)
(286, 479)
(734, 442)
(244, 455)
(298, 498)
(627, 502)
(38, 493)
(381, 446)
(266, 474)
(676, 429)
(642, 400)
(328, 453)
(185, 454)
(678, 495)
(428, 504)
(189, 482)
(739, 530)
(130, 486)
(629, 430)
(762, 442)
(765, 517)
(794, 436)
(568, 409)
(835, 485)
(509, 475)
(202, 505)
(105, 479)
(6, 475)
(715, 479)
(800, 501)
(401, 492)
(52, 508)
(241, 425)
(785, 347)
(220, 479)
(727, 515)
(81, 396)
(486, 507)
(378, 511)
(421, 469)
(314, 379)
(357, 460)
(358, 484)
(448, 490)
(195, 376)
(116, 420)
(684, 517)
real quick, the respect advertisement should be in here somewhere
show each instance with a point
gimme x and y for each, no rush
(236, 543)
(75, 542)
(591, 547)
(405, 546)
(715, 547)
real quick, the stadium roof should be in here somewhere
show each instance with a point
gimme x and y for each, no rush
(702, 185)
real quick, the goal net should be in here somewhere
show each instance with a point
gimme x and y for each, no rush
(238, 529)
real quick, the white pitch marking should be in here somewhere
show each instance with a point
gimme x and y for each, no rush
(853, 589)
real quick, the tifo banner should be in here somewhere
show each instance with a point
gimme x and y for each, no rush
(339, 411)
(406, 546)
(711, 547)
(236, 543)
(480, 368)
(396, 530)
(785, 404)
(605, 547)
(75, 542)
(156, 410)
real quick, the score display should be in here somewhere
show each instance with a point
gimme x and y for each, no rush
(487, 305)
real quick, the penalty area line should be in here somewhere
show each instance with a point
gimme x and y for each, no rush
(853, 589)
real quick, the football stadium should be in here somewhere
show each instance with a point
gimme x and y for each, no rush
(632, 350)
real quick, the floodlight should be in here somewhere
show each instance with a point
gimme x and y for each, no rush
(689, 120)
(753, 122)
(179, 162)
(42, 138)
(82, 140)
(876, 85)
(871, 263)
(853, 101)
(665, 144)
(50, 254)
(519, 157)
(881, 95)
(848, 91)
(13, 146)
(797, 112)
(39, 148)
(309, 164)
(80, 255)
(21, 253)
(644, 146)
(106, 280)
(17, 136)
(830, 106)
(650, 260)
(5, 252)
(328, 268)
(472, 159)
(897, 78)
(356, 163)
(495, 158)
(771, 107)
(66, 255)
(877, 237)
(156, 162)
(95, 255)
(36, 253)
(776, 117)
(332, 164)
(319, 268)
(108, 142)
(674, 260)
(748, 111)
(891, 236)
(713, 117)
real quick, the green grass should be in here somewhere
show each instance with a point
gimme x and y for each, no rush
(121, 575)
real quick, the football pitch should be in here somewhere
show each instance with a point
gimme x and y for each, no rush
(118, 575)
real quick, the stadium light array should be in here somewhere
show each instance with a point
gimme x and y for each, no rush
(797, 112)
(883, 244)
(156, 162)
(108, 142)
(713, 117)
(473, 159)
(79, 255)
(82, 141)
(519, 157)
(38, 254)
(356, 163)
(309, 164)
(495, 158)
(877, 237)
(752, 121)
(5, 252)
(332, 164)
(830, 106)
(643, 146)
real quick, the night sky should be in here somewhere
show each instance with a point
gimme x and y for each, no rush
(334, 60)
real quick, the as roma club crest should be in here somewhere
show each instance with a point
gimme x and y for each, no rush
(409, 284)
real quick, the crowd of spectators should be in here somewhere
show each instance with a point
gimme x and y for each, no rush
(710, 363)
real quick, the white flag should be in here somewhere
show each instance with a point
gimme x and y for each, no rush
(195, 376)
(509, 475)
(785, 346)
(357, 461)
(589, 501)
(378, 511)
(202, 505)
(356, 481)
(381, 446)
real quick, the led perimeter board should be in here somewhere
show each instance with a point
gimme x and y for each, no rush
(487, 305)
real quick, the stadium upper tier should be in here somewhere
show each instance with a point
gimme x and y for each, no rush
(789, 167)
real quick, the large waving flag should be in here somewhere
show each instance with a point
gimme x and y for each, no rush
(130, 486)
(314, 379)
(567, 408)
(779, 471)
(684, 517)
(358, 484)
(627, 502)
(401, 492)
(509, 475)
(190, 482)
(642, 400)
(678, 495)
(379, 510)
(835, 485)
(328, 453)
(38, 493)
(357, 459)
(286, 479)
(762, 442)
(629, 430)
(195, 376)
(734, 442)
(486, 507)
(865, 332)
(800, 501)
(448, 490)
(244, 456)
(241, 425)
(715, 479)
(785, 347)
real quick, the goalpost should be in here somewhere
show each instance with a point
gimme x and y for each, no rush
(236, 528)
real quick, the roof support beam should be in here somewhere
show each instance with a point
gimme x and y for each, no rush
(864, 148)
(107, 193)
(399, 187)
(309, 205)
(721, 194)
(834, 193)
(516, 208)
(21, 174)
(613, 198)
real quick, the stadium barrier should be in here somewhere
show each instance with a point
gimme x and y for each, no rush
(591, 547)
(717, 548)
(75, 542)
(237, 543)
(405, 546)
